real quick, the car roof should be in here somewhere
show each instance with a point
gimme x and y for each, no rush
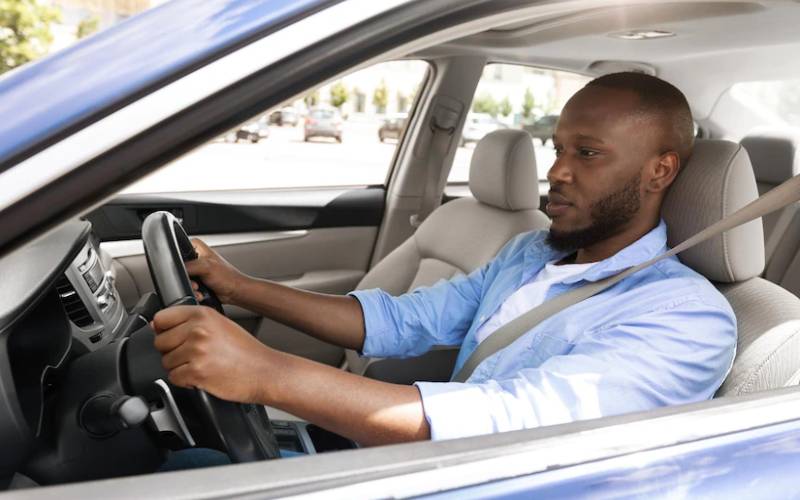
(59, 92)
(715, 44)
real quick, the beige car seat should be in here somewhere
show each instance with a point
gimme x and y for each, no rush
(459, 237)
(716, 181)
(774, 159)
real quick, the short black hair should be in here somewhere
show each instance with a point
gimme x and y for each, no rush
(660, 100)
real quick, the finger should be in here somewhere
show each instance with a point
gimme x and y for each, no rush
(169, 340)
(173, 316)
(200, 247)
(182, 376)
(181, 355)
(195, 286)
(199, 296)
(196, 267)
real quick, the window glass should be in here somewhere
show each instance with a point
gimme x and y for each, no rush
(513, 96)
(774, 102)
(341, 134)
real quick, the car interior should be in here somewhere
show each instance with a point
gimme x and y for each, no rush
(409, 231)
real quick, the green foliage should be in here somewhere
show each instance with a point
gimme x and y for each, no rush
(380, 98)
(402, 101)
(24, 31)
(339, 94)
(505, 107)
(87, 26)
(485, 103)
(312, 98)
(528, 104)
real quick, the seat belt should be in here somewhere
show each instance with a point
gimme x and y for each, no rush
(446, 112)
(775, 199)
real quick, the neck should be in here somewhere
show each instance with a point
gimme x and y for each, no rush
(616, 242)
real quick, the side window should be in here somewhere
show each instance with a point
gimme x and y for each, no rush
(774, 103)
(521, 97)
(343, 133)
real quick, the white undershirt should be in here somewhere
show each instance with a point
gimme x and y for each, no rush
(529, 296)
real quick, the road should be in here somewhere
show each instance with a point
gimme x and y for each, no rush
(284, 160)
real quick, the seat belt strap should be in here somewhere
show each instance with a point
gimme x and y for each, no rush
(445, 116)
(775, 199)
(775, 237)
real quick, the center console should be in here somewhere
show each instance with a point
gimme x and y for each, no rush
(302, 437)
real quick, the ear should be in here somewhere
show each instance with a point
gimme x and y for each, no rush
(663, 172)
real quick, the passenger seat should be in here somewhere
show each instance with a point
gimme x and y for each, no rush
(773, 156)
(458, 237)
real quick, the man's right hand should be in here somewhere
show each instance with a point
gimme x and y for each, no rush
(215, 272)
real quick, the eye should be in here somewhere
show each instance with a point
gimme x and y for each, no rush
(558, 149)
(587, 153)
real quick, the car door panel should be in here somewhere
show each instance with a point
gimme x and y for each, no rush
(317, 240)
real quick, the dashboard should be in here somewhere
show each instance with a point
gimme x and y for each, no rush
(57, 301)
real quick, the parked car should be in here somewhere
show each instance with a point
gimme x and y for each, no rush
(82, 414)
(323, 122)
(252, 132)
(542, 128)
(285, 116)
(478, 125)
(392, 126)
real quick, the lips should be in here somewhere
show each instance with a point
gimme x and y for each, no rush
(556, 204)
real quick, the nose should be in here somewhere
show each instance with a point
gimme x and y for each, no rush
(559, 172)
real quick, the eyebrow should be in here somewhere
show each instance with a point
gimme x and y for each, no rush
(584, 137)
(590, 138)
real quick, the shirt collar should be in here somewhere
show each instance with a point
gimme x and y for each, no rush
(645, 248)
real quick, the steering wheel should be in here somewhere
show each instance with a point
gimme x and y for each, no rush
(243, 431)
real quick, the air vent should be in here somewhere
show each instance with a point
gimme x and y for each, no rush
(72, 303)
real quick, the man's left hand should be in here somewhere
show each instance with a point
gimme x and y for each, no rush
(202, 348)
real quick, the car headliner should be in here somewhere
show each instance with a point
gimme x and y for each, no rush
(716, 45)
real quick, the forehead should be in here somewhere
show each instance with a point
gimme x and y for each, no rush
(600, 109)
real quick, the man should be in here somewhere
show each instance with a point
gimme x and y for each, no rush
(662, 336)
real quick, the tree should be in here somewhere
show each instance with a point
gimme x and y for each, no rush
(485, 103)
(311, 99)
(505, 107)
(339, 94)
(380, 98)
(87, 26)
(402, 101)
(527, 104)
(24, 31)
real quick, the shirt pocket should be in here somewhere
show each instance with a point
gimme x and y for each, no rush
(545, 346)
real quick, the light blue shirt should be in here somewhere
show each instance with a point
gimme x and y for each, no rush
(663, 336)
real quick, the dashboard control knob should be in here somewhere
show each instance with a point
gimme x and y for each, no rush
(105, 414)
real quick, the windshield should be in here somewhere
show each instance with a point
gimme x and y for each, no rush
(323, 114)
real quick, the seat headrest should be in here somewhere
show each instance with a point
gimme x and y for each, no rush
(716, 181)
(772, 153)
(503, 171)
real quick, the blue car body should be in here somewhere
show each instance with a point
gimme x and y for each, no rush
(44, 99)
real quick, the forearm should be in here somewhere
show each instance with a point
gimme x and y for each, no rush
(365, 410)
(331, 318)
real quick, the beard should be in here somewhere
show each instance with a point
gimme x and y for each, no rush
(608, 215)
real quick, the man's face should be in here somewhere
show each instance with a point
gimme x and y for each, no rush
(602, 145)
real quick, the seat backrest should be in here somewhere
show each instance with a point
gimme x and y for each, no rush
(464, 234)
(718, 180)
(773, 154)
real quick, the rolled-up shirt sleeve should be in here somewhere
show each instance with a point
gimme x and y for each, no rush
(409, 325)
(661, 358)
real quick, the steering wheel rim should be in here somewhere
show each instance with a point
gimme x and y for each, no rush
(243, 431)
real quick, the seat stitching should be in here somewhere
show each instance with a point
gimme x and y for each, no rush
(725, 200)
(750, 378)
(506, 188)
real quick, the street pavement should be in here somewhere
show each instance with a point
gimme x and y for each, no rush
(284, 160)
